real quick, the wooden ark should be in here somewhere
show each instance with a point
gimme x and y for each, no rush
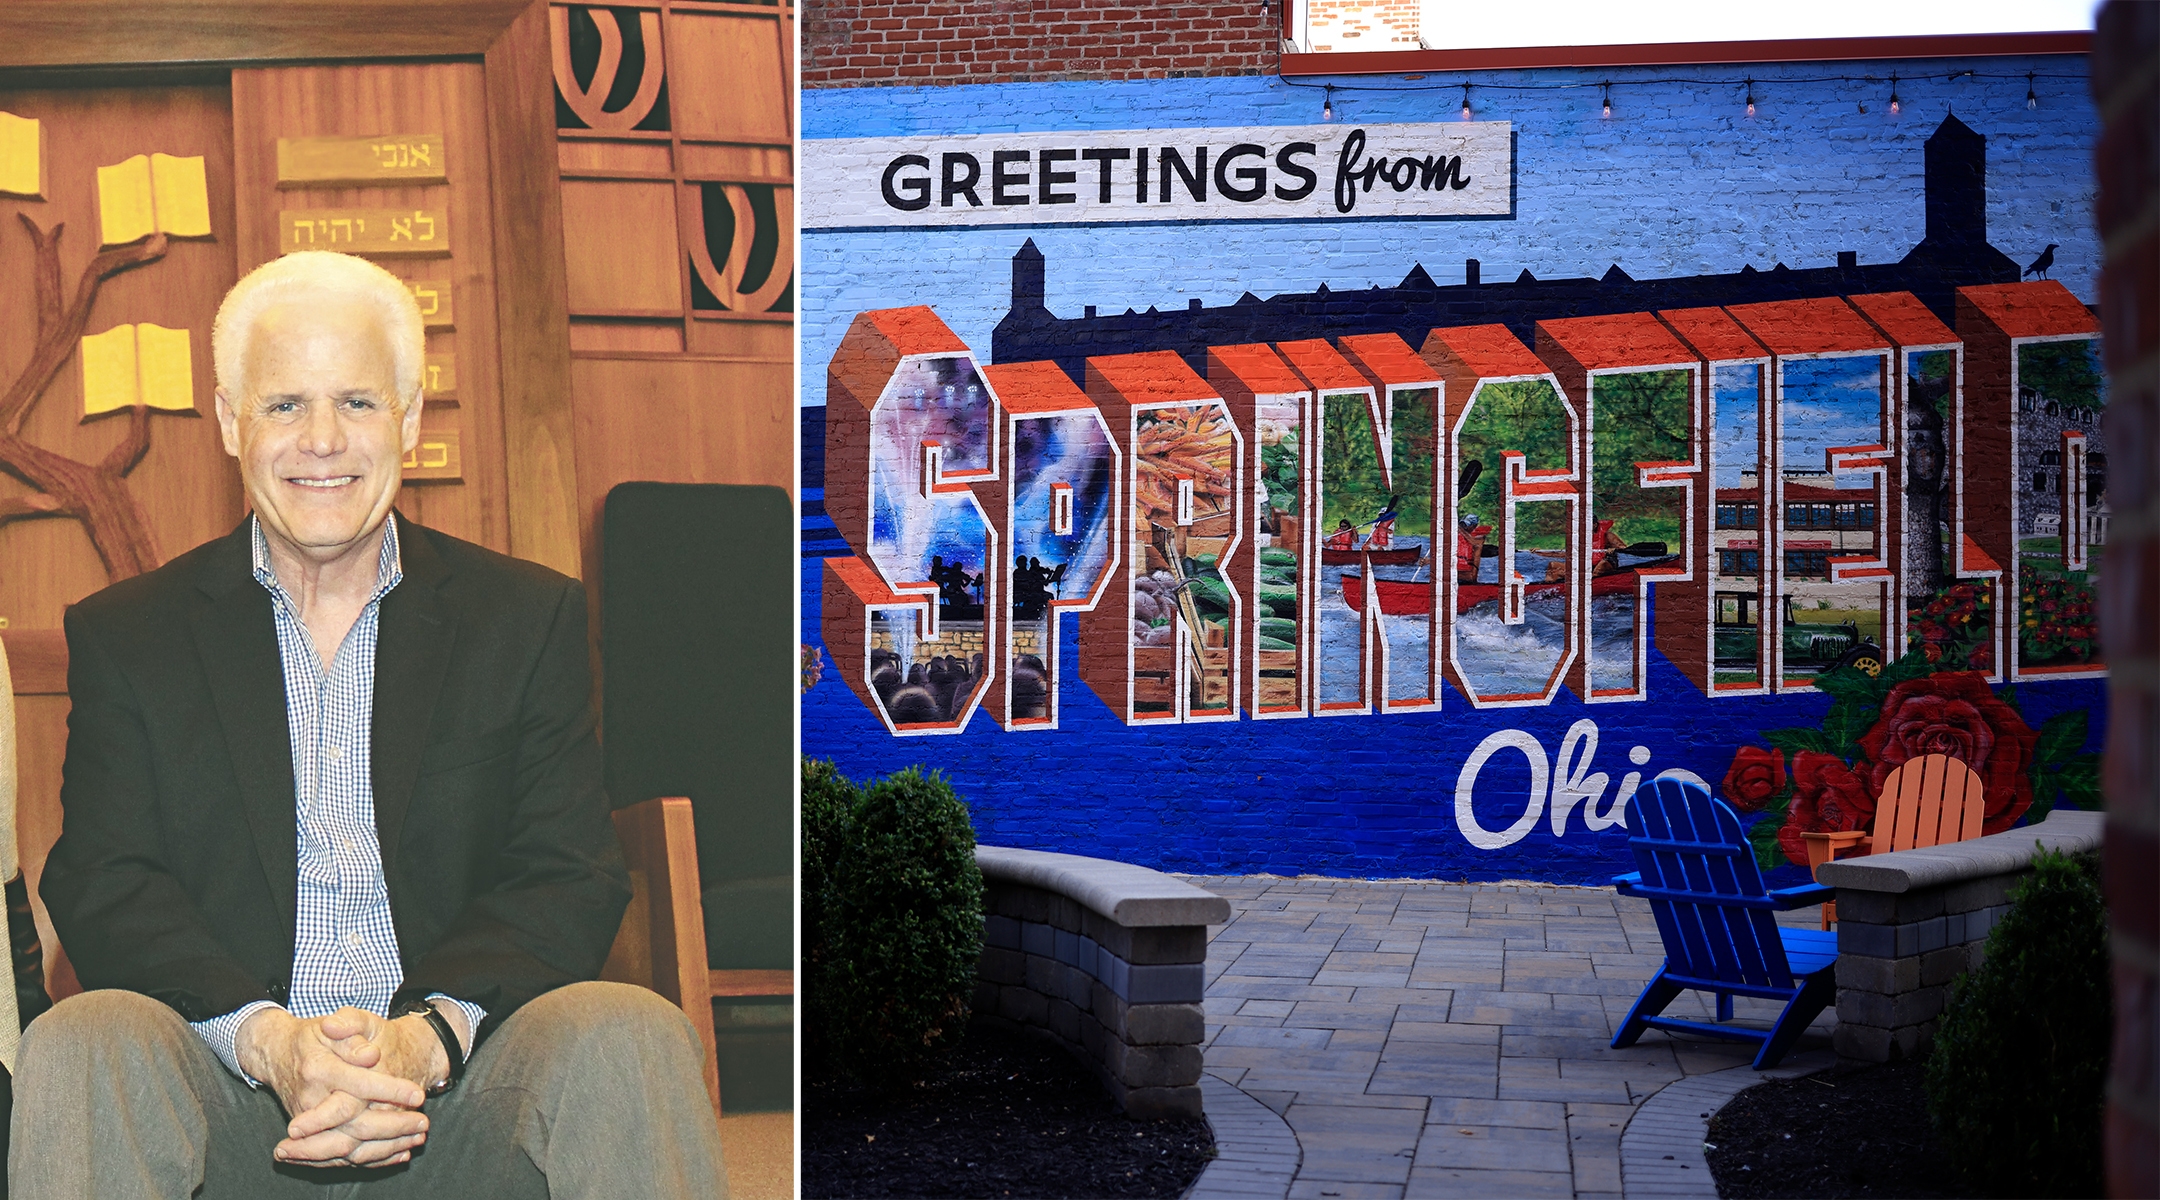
(593, 205)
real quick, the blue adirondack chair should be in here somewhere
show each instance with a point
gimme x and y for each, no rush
(1697, 871)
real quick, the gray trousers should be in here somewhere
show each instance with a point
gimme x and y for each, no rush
(592, 1090)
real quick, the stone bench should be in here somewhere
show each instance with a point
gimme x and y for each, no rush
(1912, 921)
(1107, 958)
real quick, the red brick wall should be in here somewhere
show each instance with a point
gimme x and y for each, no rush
(867, 43)
(2126, 86)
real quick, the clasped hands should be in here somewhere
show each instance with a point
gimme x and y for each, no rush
(352, 1083)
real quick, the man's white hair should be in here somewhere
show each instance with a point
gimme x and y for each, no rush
(319, 272)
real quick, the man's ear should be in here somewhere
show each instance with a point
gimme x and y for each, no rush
(409, 424)
(228, 423)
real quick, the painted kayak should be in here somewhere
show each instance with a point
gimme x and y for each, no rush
(1403, 556)
(1408, 598)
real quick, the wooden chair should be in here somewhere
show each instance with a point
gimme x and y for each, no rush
(1928, 801)
(662, 941)
(1695, 867)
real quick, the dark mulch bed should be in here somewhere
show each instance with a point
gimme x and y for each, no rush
(1004, 1114)
(1854, 1130)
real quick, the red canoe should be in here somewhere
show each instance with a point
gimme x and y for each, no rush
(1401, 557)
(1408, 598)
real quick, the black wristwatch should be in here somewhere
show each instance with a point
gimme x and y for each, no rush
(451, 1050)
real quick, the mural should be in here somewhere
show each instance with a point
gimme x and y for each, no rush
(1775, 530)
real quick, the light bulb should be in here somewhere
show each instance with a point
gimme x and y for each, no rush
(1895, 107)
(1607, 114)
(1327, 106)
(1466, 102)
(2032, 100)
(1750, 98)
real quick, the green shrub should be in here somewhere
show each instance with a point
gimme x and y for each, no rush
(903, 925)
(2020, 1059)
(828, 805)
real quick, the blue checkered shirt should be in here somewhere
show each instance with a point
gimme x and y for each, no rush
(345, 948)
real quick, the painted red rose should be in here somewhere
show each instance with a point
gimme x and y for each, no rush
(1755, 776)
(1827, 798)
(1955, 713)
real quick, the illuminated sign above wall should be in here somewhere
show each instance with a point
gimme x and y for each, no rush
(1302, 172)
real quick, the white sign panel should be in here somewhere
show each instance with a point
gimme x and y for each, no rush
(1271, 172)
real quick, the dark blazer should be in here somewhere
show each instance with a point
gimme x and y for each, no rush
(176, 871)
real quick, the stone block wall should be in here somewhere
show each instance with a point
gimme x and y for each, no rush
(1910, 923)
(1897, 955)
(1122, 994)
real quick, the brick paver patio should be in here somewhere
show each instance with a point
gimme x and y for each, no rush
(1437, 1039)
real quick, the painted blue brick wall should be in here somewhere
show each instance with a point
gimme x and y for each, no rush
(1679, 182)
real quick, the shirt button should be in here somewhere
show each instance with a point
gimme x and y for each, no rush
(352, 939)
(337, 754)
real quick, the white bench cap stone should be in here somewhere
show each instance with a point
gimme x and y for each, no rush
(1132, 896)
(2068, 830)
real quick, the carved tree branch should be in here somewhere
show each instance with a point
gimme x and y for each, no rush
(56, 338)
(126, 456)
(35, 505)
(96, 495)
(47, 272)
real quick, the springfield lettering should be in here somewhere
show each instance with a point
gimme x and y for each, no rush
(1317, 172)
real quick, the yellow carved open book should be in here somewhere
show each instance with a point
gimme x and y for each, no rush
(156, 193)
(22, 157)
(137, 364)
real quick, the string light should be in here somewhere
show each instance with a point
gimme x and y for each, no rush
(1327, 106)
(1897, 102)
(1607, 114)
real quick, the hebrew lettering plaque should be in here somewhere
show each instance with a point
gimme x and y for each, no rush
(360, 161)
(438, 377)
(382, 232)
(435, 459)
(433, 296)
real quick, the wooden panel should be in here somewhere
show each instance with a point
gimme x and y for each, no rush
(186, 487)
(539, 456)
(738, 164)
(620, 241)
(644, 337)
(129, 32)
(576, 157)
(767, 337)
(365, 100)
(678, 421)
(37, 661)
(725, 77)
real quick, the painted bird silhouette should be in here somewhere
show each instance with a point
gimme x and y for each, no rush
(2041, 264)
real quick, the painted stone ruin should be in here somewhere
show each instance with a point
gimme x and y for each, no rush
(1898, 491)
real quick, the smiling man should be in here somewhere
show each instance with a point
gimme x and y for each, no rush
(336, 862)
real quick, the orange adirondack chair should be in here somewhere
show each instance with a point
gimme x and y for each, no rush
(1928, 801)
